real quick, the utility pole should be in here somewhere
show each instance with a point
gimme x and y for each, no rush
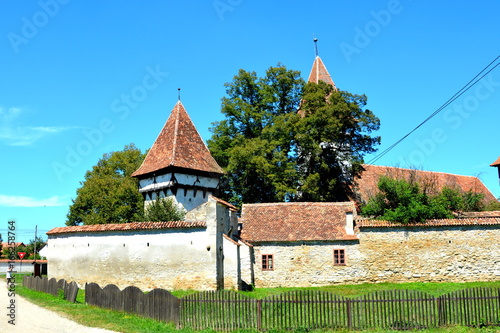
(36, 227)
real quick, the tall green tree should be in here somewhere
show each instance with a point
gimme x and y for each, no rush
(255, 140)
(271, 152)
(108, 194)
(332, 136)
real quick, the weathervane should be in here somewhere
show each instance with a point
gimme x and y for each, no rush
(179, 94)
(316, 45)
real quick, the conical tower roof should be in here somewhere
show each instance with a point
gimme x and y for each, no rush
(320, 73)
(178, 145)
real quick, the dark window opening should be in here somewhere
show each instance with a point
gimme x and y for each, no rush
(267, 262)
(339, 257)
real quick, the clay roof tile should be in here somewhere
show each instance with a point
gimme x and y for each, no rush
(178, 145)
(296, 221)
(132, 226)
(320, 73)
(367, 185)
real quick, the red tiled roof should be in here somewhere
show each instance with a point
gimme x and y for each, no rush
(17, 244)
(320, 73)
(38, 261)
(126, 227)
(492, 213)
(178, 145)
(366, 185)
(496, 163)
(462, 221)
(295, 221)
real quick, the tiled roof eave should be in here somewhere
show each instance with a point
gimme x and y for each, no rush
(126, 227)
(484, 221)
(279, 240)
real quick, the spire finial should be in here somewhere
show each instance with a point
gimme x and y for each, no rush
(316, 45)
(179, 94)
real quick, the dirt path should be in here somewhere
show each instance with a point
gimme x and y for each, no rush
(31, 318)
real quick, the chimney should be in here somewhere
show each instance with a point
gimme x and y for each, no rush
(349, 223)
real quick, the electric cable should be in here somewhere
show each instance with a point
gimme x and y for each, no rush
(459, 93)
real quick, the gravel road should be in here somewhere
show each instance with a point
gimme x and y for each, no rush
(30, 318)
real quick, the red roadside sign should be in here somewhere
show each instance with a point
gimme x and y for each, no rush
(21, 255)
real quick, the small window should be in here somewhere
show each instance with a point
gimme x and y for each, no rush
(339, 257)
(267, 262)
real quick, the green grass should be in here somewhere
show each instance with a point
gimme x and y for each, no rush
(93, 316)
(355, 290)
(129, 323)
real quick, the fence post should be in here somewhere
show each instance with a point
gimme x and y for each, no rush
(259, 315)
(349, 314)
(440, 311)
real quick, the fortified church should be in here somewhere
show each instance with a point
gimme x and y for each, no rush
(271, 244)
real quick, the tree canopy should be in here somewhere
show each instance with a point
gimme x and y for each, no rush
(108, 194)
(29, 249)
(332, 136)
(407, 201)
(271, 152)
(163, 209)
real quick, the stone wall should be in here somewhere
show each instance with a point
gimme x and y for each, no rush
(411, 254)
(430, 254)
(304, 264)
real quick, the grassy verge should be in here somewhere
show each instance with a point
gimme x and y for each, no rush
(129, 323)
(93, 316)
(435, 289)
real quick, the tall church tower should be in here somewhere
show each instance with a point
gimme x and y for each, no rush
(319, 71)
(179, 164)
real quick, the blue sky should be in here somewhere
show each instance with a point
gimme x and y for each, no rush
(83, 78)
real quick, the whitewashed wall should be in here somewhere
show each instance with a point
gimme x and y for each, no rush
(26, 266)
(189, 199)
(170, 259)
(190, 258)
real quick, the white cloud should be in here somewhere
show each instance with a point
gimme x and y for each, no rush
(12, 134)
(22, 201)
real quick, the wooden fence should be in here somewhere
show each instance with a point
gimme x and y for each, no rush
(52, 286)
(306, 309)
(158, 303)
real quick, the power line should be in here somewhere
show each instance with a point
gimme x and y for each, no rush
(459, 93)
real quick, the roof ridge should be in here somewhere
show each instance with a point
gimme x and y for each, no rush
(302, 203)
(176, 128)
(130, 226)
(417, 170)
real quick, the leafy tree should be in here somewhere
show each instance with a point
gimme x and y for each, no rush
(29, 249)
(332, 137)
(163, 209)
(108, 194)
(407, 201)
(255, 140)
(273, 153)
(492, 205)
